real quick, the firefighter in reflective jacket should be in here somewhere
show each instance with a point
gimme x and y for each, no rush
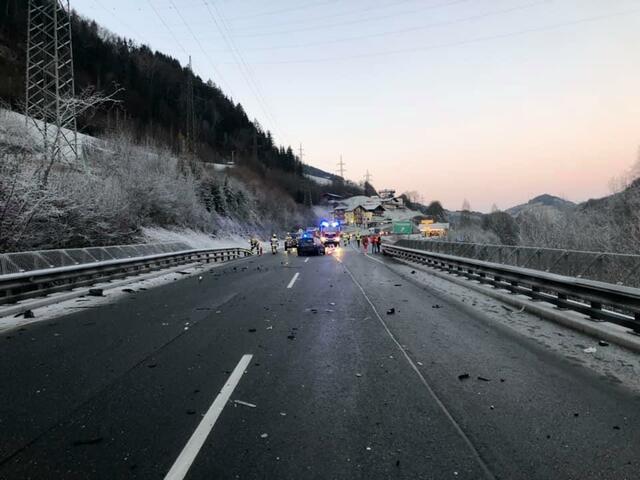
(274, 244)
(358, 238)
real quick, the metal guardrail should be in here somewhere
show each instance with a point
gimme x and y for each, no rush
(36, 283)
(602, 266)
(43, 259)
(599, 300)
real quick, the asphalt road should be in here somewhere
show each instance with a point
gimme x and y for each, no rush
(335, 388)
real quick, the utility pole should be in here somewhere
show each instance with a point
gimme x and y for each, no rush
(191, 114)
(341, 169)
(300, 153)
(50, 91)
(368, 177)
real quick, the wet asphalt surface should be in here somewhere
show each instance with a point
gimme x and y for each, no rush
(429, 390)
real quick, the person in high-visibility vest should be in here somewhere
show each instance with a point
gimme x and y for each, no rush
(358, 239)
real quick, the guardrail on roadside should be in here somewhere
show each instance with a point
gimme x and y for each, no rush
(599, 300)
(36, 283)
(602, 266)
(16, 262)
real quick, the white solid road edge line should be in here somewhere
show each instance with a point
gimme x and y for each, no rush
(187, 456)
(293, 280)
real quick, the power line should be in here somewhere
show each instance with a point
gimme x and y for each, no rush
(516, 33)
(215, 69)
(351, 22)
(242, 65)
(252, 77)
(406, 30)
(125, 24)
(168, 28)
(283, 10)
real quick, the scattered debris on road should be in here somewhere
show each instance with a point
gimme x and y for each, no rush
(246, 404)
(264, 435)
(252, 330)
(128, 290)
(484, 379)
(96, 292)
(590, 350)
(391, 311)
(463, 376)
(602, 343)
(436, 306)
(89, 441)
(358, 375)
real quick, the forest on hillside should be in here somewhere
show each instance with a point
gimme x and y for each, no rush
(144, 171)
(153, 96)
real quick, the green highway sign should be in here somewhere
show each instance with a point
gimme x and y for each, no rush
(403, 228)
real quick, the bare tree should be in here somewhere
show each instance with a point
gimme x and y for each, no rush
(86, 103)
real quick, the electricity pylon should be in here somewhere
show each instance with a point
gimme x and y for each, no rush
(341, 169)
(50, 91)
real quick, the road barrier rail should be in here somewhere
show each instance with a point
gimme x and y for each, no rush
(599, 300)
(607, 267)
(36, 283)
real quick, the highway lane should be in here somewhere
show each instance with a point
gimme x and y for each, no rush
(117, 391)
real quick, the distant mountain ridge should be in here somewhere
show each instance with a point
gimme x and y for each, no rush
(544, 200)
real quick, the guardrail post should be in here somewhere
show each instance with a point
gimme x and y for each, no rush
(535, 293)
(562, 301)
(595, 307)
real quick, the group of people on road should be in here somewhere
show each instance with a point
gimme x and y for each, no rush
(372, 241)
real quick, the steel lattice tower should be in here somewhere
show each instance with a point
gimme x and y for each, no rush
(50, 95)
